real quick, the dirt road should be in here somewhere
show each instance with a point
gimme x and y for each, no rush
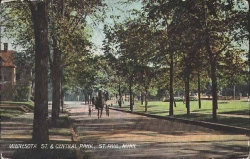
(123, 135)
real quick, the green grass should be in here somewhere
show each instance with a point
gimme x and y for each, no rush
(9, 113)
(63, 121)
(28, 104)
(224, 107)
(235, 107)
(60, 131)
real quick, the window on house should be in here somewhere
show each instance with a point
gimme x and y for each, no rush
(17, 76)
(5, 78)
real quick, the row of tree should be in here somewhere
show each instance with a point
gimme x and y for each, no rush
(172, 44)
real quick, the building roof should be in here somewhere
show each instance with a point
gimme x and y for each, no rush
(7, 58)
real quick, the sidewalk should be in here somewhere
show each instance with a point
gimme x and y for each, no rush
(228, 115)
(14, 131)
(208, 124)
(19, 129)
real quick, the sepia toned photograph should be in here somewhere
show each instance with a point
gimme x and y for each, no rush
(124, 79)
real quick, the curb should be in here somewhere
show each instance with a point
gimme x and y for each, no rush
(74, 139)
(221, 127)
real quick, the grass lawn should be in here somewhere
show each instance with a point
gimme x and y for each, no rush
(63, 126)
(62, 122)
(9, 113)
(28, 104)
(224, 107)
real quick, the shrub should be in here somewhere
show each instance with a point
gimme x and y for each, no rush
(21, 94)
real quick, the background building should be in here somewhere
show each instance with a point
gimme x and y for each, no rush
(7, 73)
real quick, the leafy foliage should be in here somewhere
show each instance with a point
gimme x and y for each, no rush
(21, 94)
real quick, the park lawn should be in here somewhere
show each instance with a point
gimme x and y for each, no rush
(224, 107)
(28, 104)
(62, 127)
(9, 113)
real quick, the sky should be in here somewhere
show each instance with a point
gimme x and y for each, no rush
(115, 8)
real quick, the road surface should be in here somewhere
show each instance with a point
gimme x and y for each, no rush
(124, 135)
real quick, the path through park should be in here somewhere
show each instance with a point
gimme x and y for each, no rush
(151, 138)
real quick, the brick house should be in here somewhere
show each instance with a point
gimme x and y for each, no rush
(13, 73)
(7, 73)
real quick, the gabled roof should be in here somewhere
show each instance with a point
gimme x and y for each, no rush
(7, 58)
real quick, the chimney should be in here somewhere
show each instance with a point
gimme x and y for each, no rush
(5, 46)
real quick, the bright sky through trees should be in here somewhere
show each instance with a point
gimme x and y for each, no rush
(114, 8)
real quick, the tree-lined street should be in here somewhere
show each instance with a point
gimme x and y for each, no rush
(167, 59)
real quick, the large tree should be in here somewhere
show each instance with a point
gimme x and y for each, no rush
(68, 36)
(68, 27)
(39, 12)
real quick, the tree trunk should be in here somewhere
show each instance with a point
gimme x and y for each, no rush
(142, 98)
(85, 96)
(212, 59)
(60, 93)
(199, 90)
(248, 48)
(32, 87)
(146, 100)
(56, 73)
(214, 91)
(171, 90)
(120, 95)
(62, 98)
(187, 92)
(56, 86)
(130, 94)
(133, 99)
(234, 92)
(174, 103)
(39, 13)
